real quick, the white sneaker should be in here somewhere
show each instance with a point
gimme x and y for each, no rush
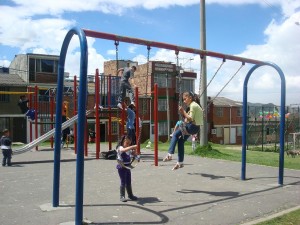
(99, 108)
(120, 105)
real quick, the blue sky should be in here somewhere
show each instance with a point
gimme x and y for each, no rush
(263, 30)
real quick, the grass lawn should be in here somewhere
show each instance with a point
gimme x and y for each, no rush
(233, 153)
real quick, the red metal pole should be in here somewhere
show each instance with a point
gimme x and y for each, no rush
(30, 107)
(137, 121)
(36, 91)
(109, 113)
(155, 125)
(86, 138)
(97, 114)
(75, 113)
(123, 119)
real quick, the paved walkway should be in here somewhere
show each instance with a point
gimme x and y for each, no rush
(205, 191)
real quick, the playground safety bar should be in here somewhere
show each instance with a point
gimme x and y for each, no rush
(47, 135)
(202, 53)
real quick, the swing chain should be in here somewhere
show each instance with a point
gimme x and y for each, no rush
(224, 60)
(117, 56)
(243, 63)
(146, 94)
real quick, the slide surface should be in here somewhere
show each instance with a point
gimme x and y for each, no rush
(46, 136)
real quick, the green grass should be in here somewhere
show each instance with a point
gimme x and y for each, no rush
(233, 153)
(292, 218)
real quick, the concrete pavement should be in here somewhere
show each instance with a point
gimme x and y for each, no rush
(205, 191)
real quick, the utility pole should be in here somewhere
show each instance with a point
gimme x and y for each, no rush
(202, 86)
(168, 109)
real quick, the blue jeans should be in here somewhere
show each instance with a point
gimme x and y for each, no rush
(6, 157)
(131, 134)
(177, 138)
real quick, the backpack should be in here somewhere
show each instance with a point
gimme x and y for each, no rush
(110, 155)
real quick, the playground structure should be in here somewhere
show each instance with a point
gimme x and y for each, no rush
(263, 127)
(45, 137)
(82, 103)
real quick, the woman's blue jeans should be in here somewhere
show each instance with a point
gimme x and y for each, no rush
(177, 138)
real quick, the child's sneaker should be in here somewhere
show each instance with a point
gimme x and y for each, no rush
(177, 166)
(167, 158)
(100, 107)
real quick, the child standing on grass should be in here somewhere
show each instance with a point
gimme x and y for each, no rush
(5, 143)
(125, 150)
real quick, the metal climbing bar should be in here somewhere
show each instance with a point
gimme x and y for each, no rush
(114, 37)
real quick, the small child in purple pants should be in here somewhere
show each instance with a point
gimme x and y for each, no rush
(124, 150)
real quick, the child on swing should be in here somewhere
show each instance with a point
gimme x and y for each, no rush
(125, 149)
(125, 86)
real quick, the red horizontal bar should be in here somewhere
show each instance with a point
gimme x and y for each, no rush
(114, 37)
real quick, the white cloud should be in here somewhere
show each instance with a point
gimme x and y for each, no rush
(38, 26)
(132, 48)
(4, 63)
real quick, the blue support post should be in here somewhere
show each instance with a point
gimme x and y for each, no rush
(80, 124)
(282, 121)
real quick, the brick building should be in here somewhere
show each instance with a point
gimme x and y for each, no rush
(30, 70)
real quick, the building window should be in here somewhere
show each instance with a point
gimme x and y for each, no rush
(162, 128)
(46, 65)
(41, 66)
(44, 96)
(32, 69)
(143, 106)
(186, 85)
(4, 97)
(239, 131)
(219, 111)
(114, 127)
(239, 112)
(162, 105)
(219, 132)
(163, 80)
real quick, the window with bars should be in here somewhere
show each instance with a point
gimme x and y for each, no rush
(186, 85)
(239, 112)
(162, 105)
(163, 80)
(114, 127)
(162, 128)
(219, 111)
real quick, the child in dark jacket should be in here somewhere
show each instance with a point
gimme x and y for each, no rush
(125, 150)
(23, 104)
(125, 86)
(5, 143)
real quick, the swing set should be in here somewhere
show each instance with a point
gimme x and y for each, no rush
(82, 34)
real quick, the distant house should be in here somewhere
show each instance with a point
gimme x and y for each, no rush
(225, 121)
